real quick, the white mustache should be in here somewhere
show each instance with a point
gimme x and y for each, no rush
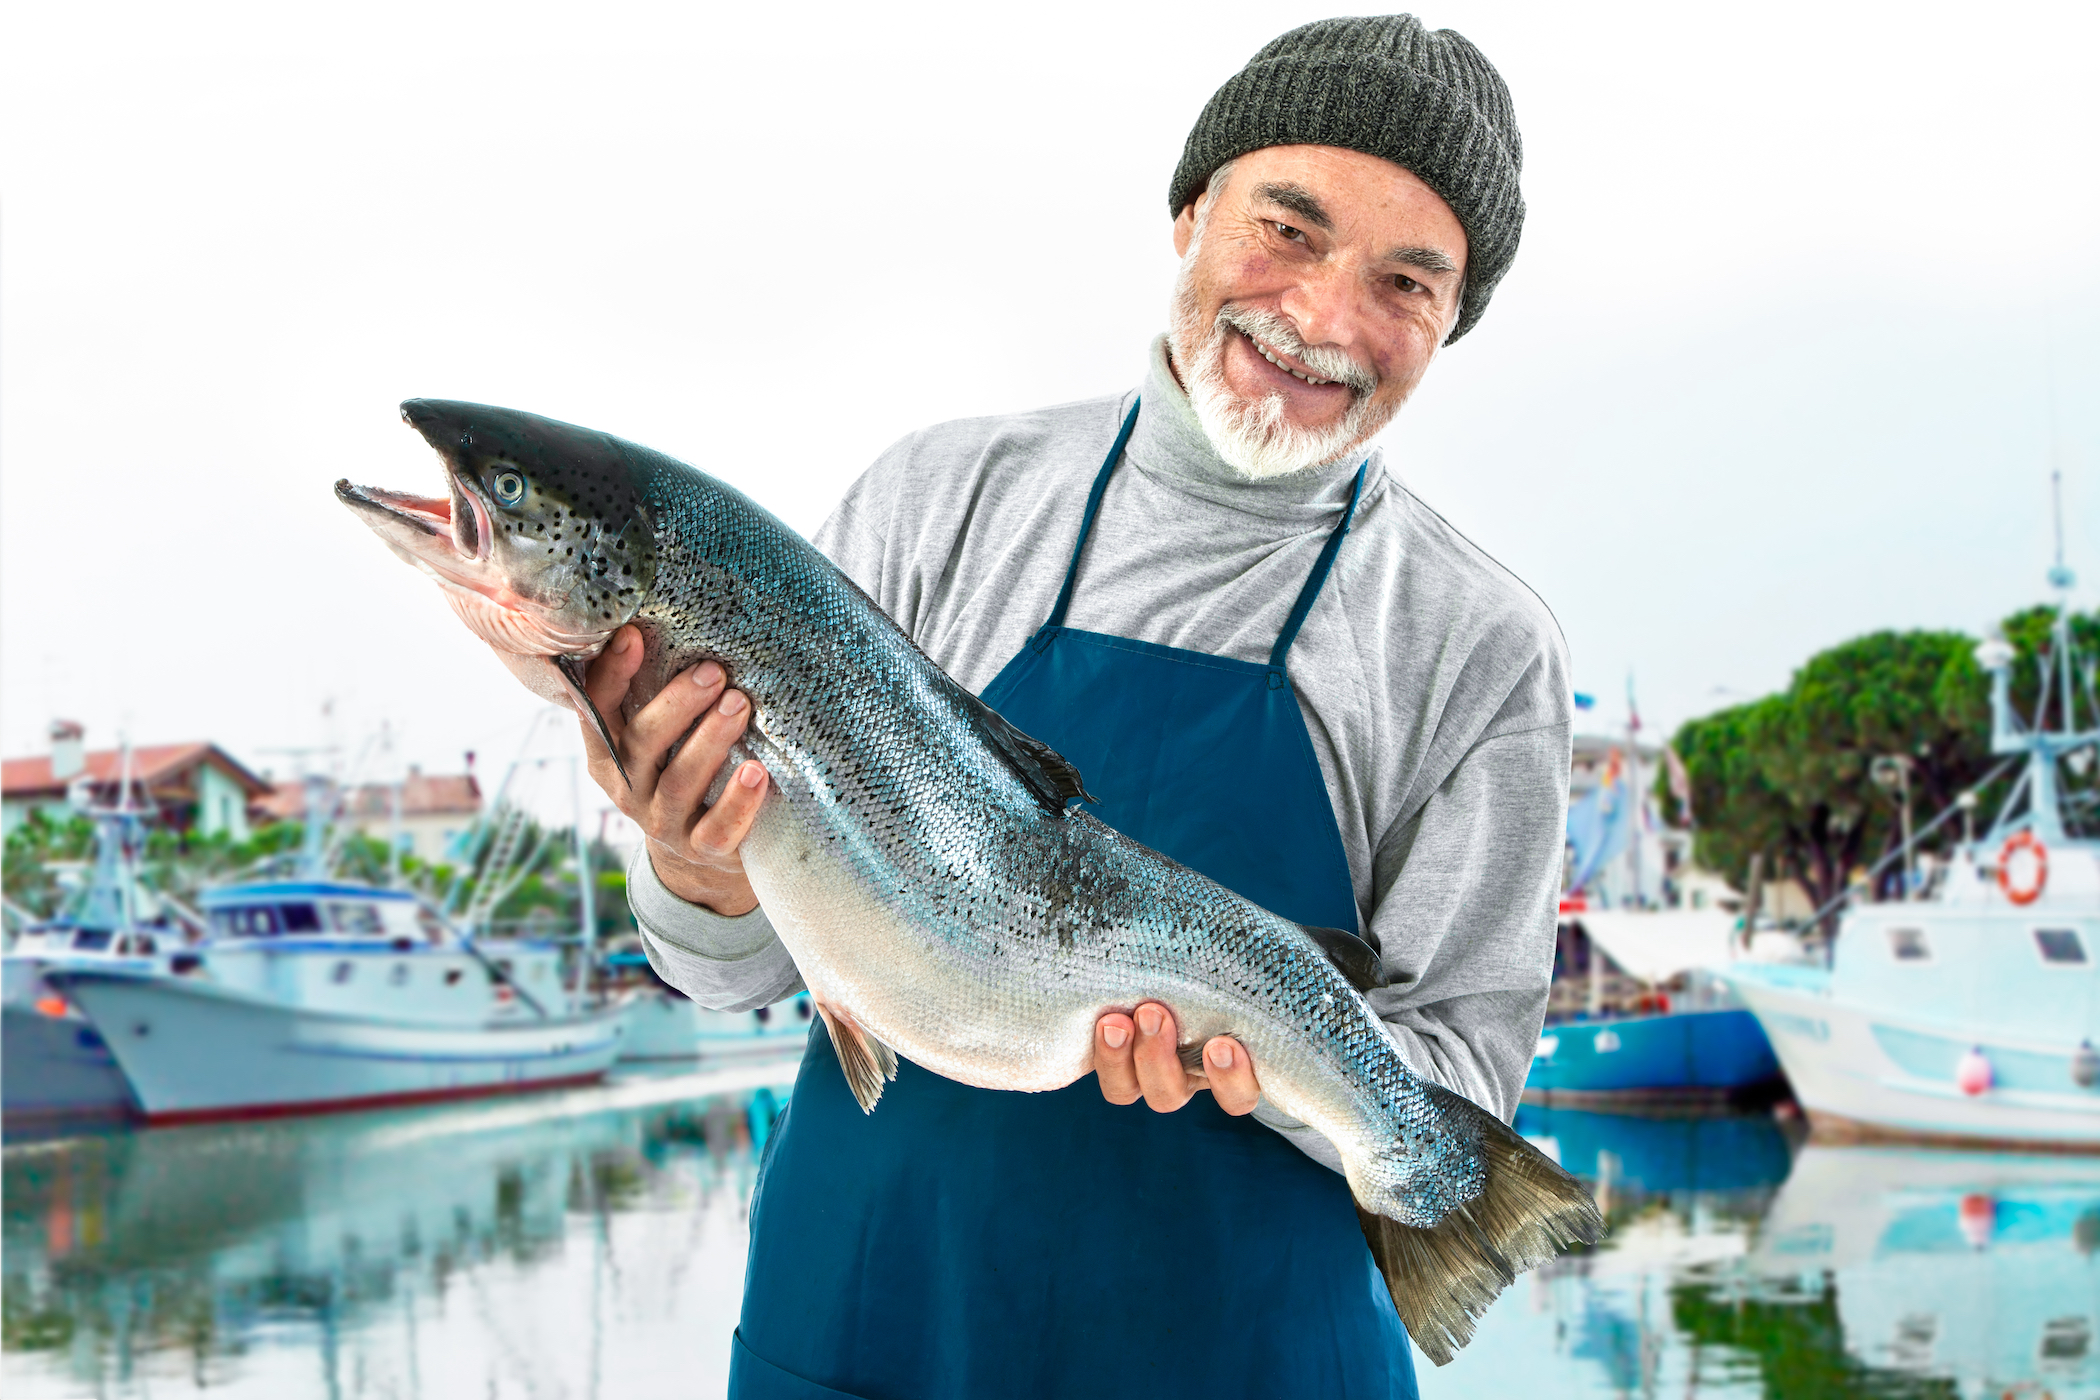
(1280, 335)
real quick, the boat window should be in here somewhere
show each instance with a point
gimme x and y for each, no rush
(355, 918)
(257, 922)
(91, 940)
(342, 972)
(300, 918)
(1909, 945)
(2060, 945)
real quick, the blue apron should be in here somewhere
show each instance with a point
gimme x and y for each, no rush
(962, 1242)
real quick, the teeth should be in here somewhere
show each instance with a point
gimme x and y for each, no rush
(1264, 350)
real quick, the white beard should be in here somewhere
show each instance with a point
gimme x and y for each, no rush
(1255, 436)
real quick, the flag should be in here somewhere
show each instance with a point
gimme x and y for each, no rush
(1680, 785)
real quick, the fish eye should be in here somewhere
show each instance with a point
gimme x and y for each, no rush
(508, 486)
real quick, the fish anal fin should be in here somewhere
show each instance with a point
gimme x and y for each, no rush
(1356, 959)
(1048, 773)
(1443, 1278)
(867, 1062)
(572, 671)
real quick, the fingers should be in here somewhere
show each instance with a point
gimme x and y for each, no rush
(1113, 1037)
(1138, 1056)
(1157, 1059)
(1230, 1070)
(664, 720)
(723, 827)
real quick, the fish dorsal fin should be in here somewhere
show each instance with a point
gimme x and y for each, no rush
(1049, 775)
(1358, 961)
(867, 1062)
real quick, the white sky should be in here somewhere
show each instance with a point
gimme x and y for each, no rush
(1806, 309)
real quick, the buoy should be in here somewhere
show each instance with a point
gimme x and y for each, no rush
(2023, 867)
(1978, 1218)
(2085, 1065)
(1973, 1075)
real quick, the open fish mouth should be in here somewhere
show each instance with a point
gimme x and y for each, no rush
(435, 518)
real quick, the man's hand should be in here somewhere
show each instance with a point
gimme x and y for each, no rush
(693, 848)
(1136, 1057)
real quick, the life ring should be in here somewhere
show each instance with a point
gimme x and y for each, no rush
(2021, 891)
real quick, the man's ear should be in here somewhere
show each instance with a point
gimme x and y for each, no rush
(1185, 228)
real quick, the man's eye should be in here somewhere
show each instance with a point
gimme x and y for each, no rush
(1406, 283)
(1286, 231)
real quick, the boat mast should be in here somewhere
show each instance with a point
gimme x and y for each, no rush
(2043, 746)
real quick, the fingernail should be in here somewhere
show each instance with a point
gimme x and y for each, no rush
(751, 774)
(732, 703)
(1221, 1055)
(1115, 1036)
(707, 675)
(1148, 1019)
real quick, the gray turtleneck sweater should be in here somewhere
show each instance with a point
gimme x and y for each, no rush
(1434, 684)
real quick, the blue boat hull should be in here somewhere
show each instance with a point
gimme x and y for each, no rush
(1679, 1051)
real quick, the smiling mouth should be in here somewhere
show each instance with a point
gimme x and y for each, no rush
(1287, 365)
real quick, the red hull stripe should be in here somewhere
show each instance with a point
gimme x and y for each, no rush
(293, 1110)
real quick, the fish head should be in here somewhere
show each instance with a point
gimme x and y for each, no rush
(542, 542)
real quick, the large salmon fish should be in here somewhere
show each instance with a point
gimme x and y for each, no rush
(921, 860)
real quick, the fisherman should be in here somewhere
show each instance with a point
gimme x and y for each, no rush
(1271, 662)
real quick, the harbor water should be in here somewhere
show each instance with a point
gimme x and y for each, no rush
(591, 1243)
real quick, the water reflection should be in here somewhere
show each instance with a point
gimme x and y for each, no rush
(579, 1244)
(1742, 1265)
(592, 1244)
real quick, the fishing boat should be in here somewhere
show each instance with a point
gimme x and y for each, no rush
(1637, 1011)
(319, 995)
(312, 994)
(1967, 1012)
(663, 1024)
(54, 1062)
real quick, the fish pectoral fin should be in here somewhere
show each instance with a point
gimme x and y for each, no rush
(1048, 773)
(867, 1062)
(1358, 961)
(572, 671)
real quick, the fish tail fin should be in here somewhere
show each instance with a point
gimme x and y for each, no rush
(866, 1061)
(1442, 1278)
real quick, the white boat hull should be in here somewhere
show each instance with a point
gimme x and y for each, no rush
(1865, 1072)
(666, 1026)
(195, 1050)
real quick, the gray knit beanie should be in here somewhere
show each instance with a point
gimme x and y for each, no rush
(1424, 99)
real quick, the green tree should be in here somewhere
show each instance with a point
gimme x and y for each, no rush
(1790, 775)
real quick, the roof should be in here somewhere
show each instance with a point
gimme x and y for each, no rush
(153, 765)
(422, 795)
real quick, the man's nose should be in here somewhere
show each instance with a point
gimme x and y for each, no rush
(1322, 304)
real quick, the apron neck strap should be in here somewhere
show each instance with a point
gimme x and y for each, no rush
(1318, 578)
(1086, 522)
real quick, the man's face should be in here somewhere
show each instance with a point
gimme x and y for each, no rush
(1316, 285)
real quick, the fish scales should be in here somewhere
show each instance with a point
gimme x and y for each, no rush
(918, 857)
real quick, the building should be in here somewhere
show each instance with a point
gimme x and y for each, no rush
(195, 787)
(436, 811)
